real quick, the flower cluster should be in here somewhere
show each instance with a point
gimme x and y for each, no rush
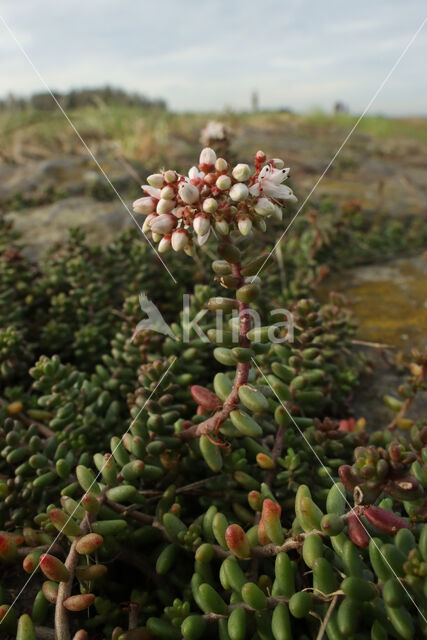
(213, 197)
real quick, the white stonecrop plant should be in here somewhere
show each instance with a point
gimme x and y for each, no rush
(213, 196)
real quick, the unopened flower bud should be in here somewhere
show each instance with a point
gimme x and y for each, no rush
(189, 250)
(210, 205)
(271, 520)
(156, 180)
(165, 244)
(260, 225)
(170, 176)
(207, 159)
(144, 205)
(223, 182)
(164, 223)
(278, 213)
(278, 163)
(165, 206)
(167, 193)
(244, 225)
(179, 239)
(241, 172)
(147, 222)
(188, 193)
(201, 224)
(237, 541)
(260, 157)
(179, 212)
(239, 192)
(156, 237)
(264, 207)
(222, 226)
(221, 164)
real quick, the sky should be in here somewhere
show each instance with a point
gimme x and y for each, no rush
(211, 55)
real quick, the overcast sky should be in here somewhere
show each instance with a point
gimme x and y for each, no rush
(214, 53)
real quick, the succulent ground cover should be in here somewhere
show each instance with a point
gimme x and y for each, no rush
(174, 486)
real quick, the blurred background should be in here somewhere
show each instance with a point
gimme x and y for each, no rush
(142, 80)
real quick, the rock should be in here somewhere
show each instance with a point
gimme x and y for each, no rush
(42, 227)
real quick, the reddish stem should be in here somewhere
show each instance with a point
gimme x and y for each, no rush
(242, 372)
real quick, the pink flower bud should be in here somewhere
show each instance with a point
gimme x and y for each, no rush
(264, 207)
(271, 520)
(207, 159)
(245, 225)
(241, 172)
(221, 164)
(156, 180)
(179, 239)
(201, 224)
(147, 222)
(165, 206)
(223, 183)
(165, 244)
(164, 223)
(167, 193)
(144, 205)
(237, 541)
(201, 240)
(210, 205)
(188, 193)
(239, 192)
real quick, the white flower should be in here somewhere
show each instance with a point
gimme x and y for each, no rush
(195, 173)
(144, 205)
(179, 239)
(264, 207)
(245, 225)
(223, 183)
(210, 205)
(156, 180)
(152, 191)
(239, 192)
(201, 224)
(241, 172)
(188, 193)
(269, 184)
(165, 206)
(164, 223)
(207, 157)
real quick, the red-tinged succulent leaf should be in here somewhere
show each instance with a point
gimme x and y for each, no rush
(385, 520)
(271, 512)
(8, 550)
(31, 561)
(89, 543)
(346, 475)
(205, 398)
(53, 568)
(50, 591)
(81, 634)
(79, 602)
(356, 531)
(91, 572)
(262, 534)
(237, 541)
